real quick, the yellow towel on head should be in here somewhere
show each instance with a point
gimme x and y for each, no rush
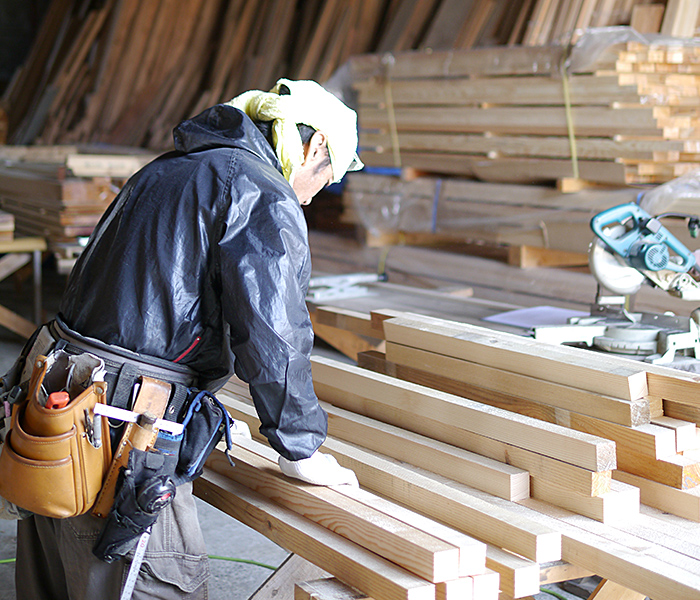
(309, 103)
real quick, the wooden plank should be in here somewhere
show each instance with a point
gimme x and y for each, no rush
(446, 24)
(16, 323)
(344, 559)
(540, 467)
(576, 448)
(647, 18)
(406, 546)
(683, 503)
(455, 463)
(281, 584)
(448, 503)
(609, 590)
(617, 504)
(590, 120)
(435, 497)
(522, 355)
(330, 588)
(680, 18)
(532, 389)
(471, 552)
(627, 560)
(518, 577)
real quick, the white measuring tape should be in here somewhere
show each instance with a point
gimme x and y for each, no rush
(130, 582)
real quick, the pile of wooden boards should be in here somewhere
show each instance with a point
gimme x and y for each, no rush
(60, 192)
(438, 210)
(485, 472)
(515, 115)
(127, 71)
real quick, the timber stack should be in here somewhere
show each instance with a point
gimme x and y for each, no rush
(60, 192)
(127, 71)
(534, 115)
(547, 477)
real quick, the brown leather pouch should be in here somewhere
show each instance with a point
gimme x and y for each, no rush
(49, 464)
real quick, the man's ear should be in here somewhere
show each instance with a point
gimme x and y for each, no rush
(314, 148)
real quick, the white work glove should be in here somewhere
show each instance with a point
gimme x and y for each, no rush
(318, 469)
(240, 428)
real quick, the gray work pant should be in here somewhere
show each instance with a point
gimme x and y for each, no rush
(55, 560)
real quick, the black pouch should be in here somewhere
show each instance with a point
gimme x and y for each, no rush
(145, 488)
(205, 422)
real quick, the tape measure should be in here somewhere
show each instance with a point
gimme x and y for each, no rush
(131, 578)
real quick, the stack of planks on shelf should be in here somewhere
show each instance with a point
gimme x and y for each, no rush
(60, 192)
(431, 210)
(127, 71)
(406, 443)
(512, 115)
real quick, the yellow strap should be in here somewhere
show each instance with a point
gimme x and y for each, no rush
(569, 116)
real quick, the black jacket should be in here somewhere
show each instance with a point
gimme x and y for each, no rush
(203, 259)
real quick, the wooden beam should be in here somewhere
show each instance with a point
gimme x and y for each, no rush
(461, 465)
(517, 385)
(329, 588)
(333, 378)
(569, 366)
(414, 550)
(434, 497)
(360, 568)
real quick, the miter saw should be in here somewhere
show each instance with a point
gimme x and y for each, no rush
(633, 248)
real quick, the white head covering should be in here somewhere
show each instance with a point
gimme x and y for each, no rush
(310, 104)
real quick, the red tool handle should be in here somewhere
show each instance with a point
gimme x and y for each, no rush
(57, 400)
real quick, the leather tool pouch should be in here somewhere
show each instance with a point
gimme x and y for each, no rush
(51, 464)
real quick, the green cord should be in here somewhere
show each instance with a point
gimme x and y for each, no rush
(553, 593)
(240, 560)
(243, 560)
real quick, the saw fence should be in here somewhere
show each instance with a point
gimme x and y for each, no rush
(526, 456)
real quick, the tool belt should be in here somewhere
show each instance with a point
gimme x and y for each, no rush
(51, 464)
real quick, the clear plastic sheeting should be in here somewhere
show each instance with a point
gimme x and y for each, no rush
(678, 195)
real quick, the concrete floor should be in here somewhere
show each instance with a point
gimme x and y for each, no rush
(224, 535)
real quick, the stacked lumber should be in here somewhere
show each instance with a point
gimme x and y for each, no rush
(607, 396)
(433, 210)
(47, 202)
(60, 192)
(638, 551)
(127, 71)
(509, 115)
(371, 543)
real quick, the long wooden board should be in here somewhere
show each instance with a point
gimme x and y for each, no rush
(333, 378)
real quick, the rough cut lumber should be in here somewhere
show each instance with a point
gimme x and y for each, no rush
(521, 355)
(347, 561)
(583, 450)
(412, 549)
